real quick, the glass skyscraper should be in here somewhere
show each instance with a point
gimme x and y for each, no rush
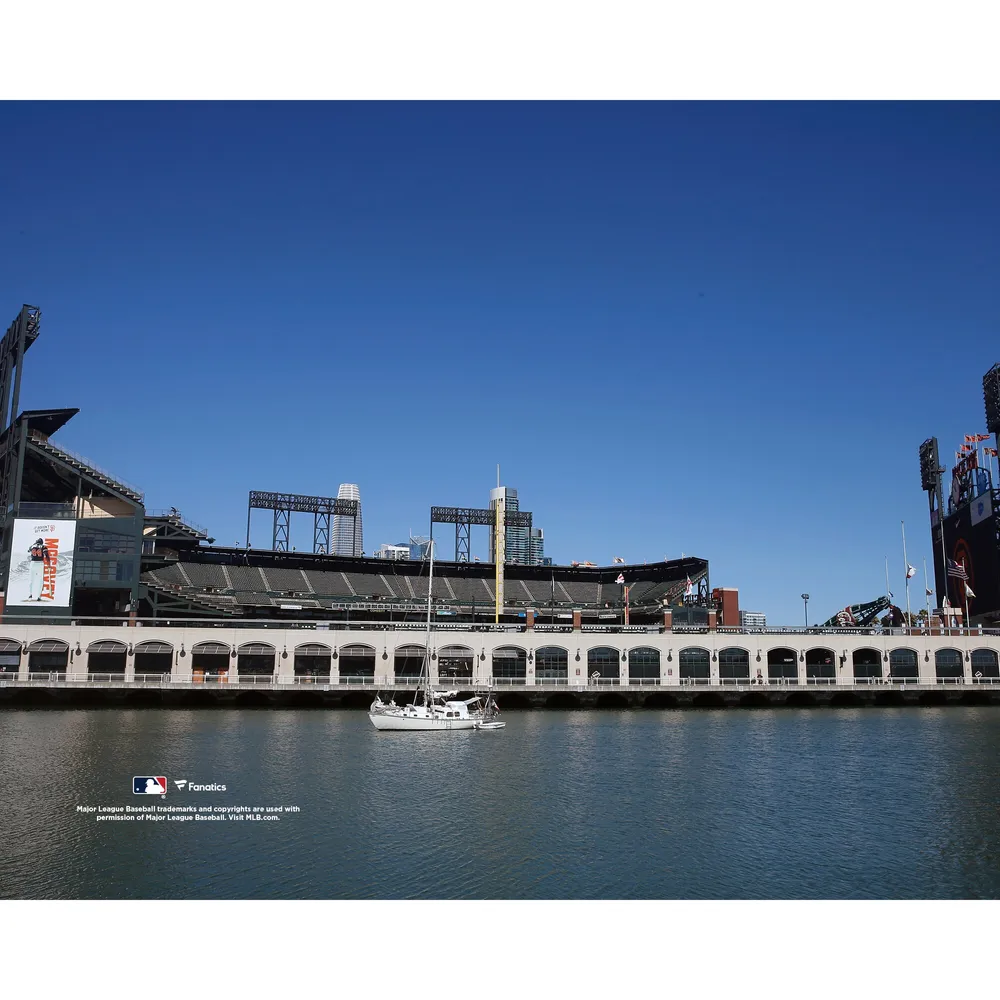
(517, 543)
(347, 536)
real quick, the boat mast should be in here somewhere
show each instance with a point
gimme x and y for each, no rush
(427, 639)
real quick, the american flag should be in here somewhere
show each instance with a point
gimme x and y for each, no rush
(957, 569)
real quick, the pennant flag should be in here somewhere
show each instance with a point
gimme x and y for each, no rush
(889, 595)
(928, 591)
(957, 569)
(991, 451)
(982, 437)
(621, 579)
(617, 559)
(910, 572)
(970, 438)
(968, 591)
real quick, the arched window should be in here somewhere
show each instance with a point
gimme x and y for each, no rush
(782, 666)
(311, 660)
(948, 665)
(551, 664)
(605, 662)
(984, 666)
(867, 666)
(821, 666)
(734, 665)
(643, 664)
(255, 659)
(693, 665)
(903, 665)
(510, 665)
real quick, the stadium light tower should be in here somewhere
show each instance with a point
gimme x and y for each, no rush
(805, 601)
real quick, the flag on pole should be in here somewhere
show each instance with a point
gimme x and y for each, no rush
(968, 591)
(910, 572)
(889, 595)
(957, 569)
(928, 591)
(617, 559)
(689, 589)
(982, 437)
(970, 438)
(620, 580)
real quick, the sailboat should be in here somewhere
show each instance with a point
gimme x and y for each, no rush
(491, 715)
(437, 710)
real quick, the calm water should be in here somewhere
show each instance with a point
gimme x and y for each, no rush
(884, 803)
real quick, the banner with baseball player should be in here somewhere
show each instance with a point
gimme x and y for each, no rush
(41, 564)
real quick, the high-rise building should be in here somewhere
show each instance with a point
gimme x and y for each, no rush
(536, 547)
(347, 534)
(753, 619)
(517, 542)
(421, 547)
(393, 552)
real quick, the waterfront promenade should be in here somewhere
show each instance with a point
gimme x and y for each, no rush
(539, 665)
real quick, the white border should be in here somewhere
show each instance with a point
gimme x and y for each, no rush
(518, 49)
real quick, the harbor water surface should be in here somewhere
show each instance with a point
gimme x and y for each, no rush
(817, 804)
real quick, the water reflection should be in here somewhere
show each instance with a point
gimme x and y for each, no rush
(890, 803)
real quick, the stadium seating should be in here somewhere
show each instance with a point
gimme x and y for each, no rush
(469, 591)
(246, 578)
(282, 581)
(229, 584)
(205, 575)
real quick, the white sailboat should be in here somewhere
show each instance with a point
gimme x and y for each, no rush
(439, 710)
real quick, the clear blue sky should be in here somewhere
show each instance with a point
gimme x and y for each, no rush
(718, 329)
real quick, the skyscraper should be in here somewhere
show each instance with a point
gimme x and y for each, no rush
(347, 536)
(421, 548)
(516, 541)
(536, 547)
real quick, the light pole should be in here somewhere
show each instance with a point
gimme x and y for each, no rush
(805, 600)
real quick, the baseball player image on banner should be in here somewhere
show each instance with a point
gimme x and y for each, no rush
(41, 563)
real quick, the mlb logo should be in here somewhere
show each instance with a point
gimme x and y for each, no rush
(146, 785)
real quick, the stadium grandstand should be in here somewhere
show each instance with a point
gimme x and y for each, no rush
(119, 560)
(203, 580)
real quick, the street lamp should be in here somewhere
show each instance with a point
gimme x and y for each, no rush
(805, 599)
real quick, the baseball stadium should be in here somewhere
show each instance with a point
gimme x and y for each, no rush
(104, 597)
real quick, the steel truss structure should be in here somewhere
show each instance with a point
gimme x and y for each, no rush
(285, 504)
(464, 517)
(20, 335)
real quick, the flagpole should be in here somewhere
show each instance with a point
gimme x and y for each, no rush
(906, 574)
(927, 598)
(888, 592)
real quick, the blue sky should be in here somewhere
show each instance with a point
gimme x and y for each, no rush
(718, 329)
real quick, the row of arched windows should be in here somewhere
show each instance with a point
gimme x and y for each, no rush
(550, 663)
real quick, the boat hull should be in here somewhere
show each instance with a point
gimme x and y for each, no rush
(410, 723)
